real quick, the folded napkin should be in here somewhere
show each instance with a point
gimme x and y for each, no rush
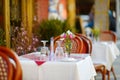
(38, 62)
(35, 58)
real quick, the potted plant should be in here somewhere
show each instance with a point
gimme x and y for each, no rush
(51, 28)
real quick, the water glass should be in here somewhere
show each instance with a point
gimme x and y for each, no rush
(59, 52)
(44, 49)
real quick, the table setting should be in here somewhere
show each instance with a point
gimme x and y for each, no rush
(58, 63)
(57, 69)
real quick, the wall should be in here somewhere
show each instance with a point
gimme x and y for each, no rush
(41, 9)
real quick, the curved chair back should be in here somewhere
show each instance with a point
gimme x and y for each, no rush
(87, 44)
(76, 44)
(10, 65)
(108, 36)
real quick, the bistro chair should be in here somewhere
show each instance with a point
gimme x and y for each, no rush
(87, 48)
(109, 36)
(10, 68)
(77, 44)
(87, 44)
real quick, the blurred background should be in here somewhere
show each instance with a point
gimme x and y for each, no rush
(47, 18)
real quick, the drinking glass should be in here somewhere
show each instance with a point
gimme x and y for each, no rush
(59, 52)
(44, 49)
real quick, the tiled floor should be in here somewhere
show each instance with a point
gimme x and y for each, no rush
(116, 66)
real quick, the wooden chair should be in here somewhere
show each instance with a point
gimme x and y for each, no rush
(87, 48)
(87, 44)
(76, 44)
(10, 68)
(109, 36)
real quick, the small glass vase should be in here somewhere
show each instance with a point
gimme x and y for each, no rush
(96, 39)
(68, 53)
(68, 49)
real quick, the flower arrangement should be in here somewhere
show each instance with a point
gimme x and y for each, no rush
(67, 37)
(96, 33)
(21, 41)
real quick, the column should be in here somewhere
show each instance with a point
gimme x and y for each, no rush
(29, 17)
(118, 18)
(71, 13)
(23, 12)
(101, 14)
(6, 9)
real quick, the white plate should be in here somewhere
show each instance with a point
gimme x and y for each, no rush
(68, 59)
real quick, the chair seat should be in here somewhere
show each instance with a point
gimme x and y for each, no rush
(98, 66)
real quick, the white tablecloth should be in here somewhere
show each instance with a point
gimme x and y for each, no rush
(58, 70)
(105, 53)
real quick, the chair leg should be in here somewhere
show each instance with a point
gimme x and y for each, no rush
(112, 69)
(95, 77)
(104, 74)
(108, 74)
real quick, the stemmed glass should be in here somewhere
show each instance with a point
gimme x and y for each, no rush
(44, 49)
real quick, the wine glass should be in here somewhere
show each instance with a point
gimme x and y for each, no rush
(59, 52)
(44, 49)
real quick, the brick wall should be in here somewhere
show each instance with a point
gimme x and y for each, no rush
(41, 9)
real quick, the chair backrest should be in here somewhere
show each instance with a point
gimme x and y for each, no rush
(108, 36)
(87, 44)
(9, 65)
(77, 44)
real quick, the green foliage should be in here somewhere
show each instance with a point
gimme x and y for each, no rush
(96, 32)
(2, 34)
(50, 28)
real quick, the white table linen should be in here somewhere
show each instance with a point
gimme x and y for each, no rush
(105, 53)
(58, 70)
